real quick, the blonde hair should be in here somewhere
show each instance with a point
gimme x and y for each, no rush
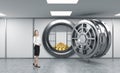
(35, 32)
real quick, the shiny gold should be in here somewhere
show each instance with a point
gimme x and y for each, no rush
(61, 47)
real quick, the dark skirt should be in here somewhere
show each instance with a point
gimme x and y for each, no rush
(36, 50)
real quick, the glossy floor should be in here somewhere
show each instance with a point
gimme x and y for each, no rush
(60, 66)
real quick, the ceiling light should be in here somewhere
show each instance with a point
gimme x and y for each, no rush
(62, 1)
(2, 15)
(60, 13)
(117, 14)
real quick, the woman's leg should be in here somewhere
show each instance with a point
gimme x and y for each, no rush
(37, 57)
(37, 60)
(34, 60)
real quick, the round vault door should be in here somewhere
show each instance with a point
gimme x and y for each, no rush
(57, 38)
(91, 39)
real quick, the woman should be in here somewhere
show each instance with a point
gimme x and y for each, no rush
(36, 48)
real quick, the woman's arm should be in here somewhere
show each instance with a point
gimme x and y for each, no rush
(34, 41)
(40, 41)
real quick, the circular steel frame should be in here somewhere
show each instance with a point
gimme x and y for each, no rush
(46, 43)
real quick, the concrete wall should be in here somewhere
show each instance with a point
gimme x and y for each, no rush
(2, 38)
(116, 23)
(19, 38)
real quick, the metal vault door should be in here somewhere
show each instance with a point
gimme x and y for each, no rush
(91, 39)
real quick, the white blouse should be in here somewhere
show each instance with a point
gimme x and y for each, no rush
(37, 40)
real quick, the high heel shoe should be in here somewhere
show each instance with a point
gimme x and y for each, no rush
(37, 66)
(33, 64)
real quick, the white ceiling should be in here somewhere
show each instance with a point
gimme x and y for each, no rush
(40, 8)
